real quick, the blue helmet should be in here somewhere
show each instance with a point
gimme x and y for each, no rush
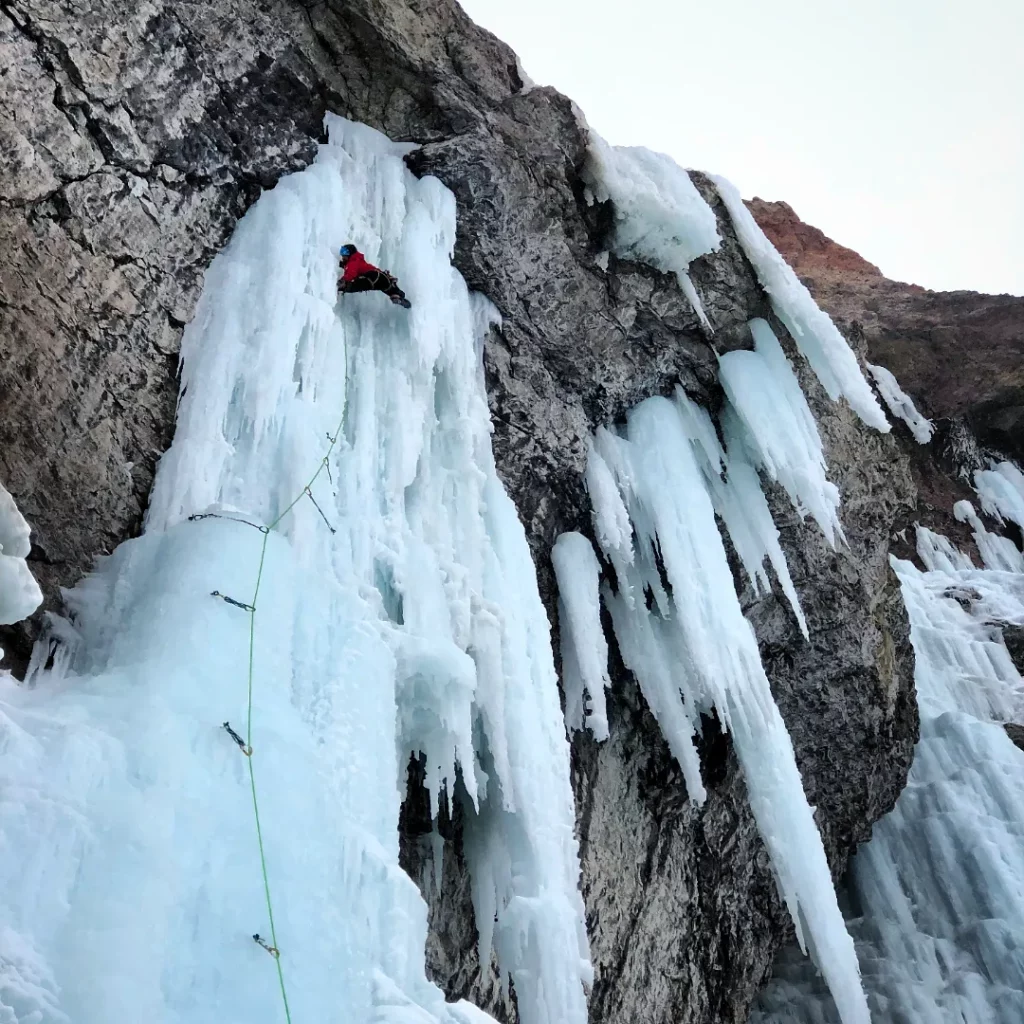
(347, 250)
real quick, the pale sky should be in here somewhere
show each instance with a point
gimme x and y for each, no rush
(895, 126)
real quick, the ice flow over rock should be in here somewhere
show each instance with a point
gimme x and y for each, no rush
(656, 485)
(20, 595)
(937, 896)
(660, 217)
(397, 611)
(813, 331)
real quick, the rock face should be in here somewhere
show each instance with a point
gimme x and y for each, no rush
(132, 136)
(960, 354)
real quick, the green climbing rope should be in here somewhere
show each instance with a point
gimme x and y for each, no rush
(275, 949)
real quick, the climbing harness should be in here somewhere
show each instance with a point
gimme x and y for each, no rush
(245, 745)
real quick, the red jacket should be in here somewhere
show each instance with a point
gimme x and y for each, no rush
(357, 264)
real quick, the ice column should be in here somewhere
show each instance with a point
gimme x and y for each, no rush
(19, 593)
(812, 329)
(398, 612)
(681, 631)
(584, 648)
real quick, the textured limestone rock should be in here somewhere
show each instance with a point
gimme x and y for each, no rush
(132, 136)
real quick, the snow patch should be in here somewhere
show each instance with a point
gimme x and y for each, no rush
(528, 83)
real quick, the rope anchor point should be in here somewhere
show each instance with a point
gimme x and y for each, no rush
(272, 950)
(198, 517)
(244, 747)
(232, 601)
(309, 494)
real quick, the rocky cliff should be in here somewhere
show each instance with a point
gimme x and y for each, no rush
(961, 354)
(133, 136)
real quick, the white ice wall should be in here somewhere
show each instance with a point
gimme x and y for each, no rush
(397, 610)
(19, 593)
(936, 898)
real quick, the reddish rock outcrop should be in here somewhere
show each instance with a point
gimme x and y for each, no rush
(958, 354)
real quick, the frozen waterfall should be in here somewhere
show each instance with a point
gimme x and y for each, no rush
(397, 610)
(656, 486)
(937, 895)
(19, 593)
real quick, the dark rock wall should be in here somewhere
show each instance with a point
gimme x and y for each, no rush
(132, 137)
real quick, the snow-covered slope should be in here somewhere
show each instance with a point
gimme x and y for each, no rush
(332, 471)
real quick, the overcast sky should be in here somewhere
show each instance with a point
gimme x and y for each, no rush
(895, 126)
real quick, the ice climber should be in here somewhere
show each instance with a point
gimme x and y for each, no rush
(359, 275)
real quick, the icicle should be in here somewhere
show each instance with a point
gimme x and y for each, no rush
(996, 552)
(1001, 490)
(815, 335)
(768, 416)
(901, 404)
(737, 496)
(584, 648)
(936, 552)
(694, 651)
(660, 217)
